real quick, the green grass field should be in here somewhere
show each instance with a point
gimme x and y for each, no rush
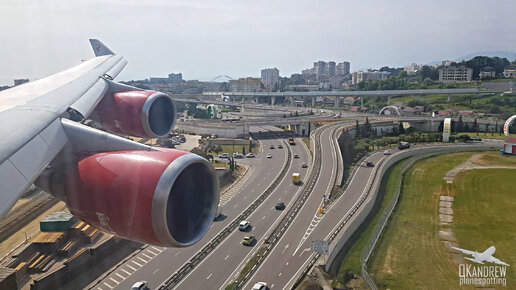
(351, 261)
(484, 213)
(410, 255)
(485, 135)
(237, 148)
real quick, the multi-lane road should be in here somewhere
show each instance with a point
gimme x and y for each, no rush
(290, 254)
(156, 264)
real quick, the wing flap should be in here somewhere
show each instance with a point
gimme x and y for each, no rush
(23, 167)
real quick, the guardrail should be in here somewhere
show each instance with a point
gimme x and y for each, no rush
(287, 219)
(370, 198)
(384, 218)
(209, 247)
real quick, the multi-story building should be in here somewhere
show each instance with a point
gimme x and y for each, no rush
(412, 68)
(330, 69)
(18, 82)
(455, 74)
(343, 68)
(175, 78)
(245, 85)
(487, 72)
(362, 76)
(509, 71)
(270, 78)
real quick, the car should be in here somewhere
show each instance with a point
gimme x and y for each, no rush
(304, 165)
(280, 146)
(295, 155)
(386, 152)
(141, 285)
(248, 240)
(244, 225)
(269, 155)
(260, 286)
(238, 155)
(271, 147)
(369, 164)
(280, 206)
(224, 155)
(249, 155)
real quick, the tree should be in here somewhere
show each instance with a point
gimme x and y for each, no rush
(297, 113)
(357, 130)
(401, 129)
(367, 128)
(284, 116)
(460, 124)
(475, 126)
(243, 150)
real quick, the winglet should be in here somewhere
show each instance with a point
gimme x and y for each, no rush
(99, 48)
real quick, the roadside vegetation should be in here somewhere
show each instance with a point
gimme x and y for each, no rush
(351, 259)
(409, 254)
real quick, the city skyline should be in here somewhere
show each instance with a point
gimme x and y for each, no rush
(204, 40)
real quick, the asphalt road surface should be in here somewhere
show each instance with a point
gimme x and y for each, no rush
(156, 264)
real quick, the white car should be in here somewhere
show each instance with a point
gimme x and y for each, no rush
(140, 285)
(249, 155)
(386, 152)
(243, 225)
(260, 286)
(224, 155)
(269, 155)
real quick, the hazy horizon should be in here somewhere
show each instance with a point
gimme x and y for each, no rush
(205, 39)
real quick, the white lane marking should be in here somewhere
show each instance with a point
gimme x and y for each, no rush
(111, 278)
(148, 250)
(235, 205)
(226, 257)
(177, 253)
(108, 285)
(123, 278)
(150, 258)
(142, 260)
(157, 249)
(132, 268)
(305, 250)
(98, 288)
(272, 285)
(139, 265)
(125, 271)
(286, 264)
(279, 275)
(286, 247)
(155, 271)
(263, 217)
(245, 197)
(209, 276)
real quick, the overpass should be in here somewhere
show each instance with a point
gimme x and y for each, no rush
(381, 93)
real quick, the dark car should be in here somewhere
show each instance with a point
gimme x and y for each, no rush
(280, 206)
(369, 164)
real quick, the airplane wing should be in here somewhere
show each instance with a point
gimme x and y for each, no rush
(31, 134)
(496, 261)
(464, 251)
(146, 194)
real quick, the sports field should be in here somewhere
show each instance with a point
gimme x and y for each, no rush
(410, 254)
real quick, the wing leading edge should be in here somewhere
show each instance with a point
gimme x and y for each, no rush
(31, 134)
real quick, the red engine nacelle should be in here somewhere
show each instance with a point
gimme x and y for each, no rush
(138, 113)
(167, 198)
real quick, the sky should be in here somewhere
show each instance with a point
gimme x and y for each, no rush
(204, 39)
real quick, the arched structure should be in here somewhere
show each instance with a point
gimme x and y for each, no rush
(221, 76)
(508, 124)
(390, 107)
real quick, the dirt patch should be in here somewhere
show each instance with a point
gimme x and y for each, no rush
(477, 161)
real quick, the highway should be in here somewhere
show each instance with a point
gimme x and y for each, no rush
(156, 264)
(213, 272)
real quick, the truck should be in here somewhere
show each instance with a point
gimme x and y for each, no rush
(291, 141)
(403, 145)
(295, 178)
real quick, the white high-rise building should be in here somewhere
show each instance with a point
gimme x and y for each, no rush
(270, 78)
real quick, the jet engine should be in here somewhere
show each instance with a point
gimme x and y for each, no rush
(166, 198)
(137, 113)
